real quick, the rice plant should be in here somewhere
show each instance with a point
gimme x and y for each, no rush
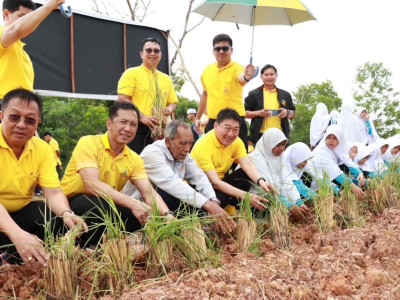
(157, 132)
(247, 227)
(375, 194)
(323, 204)
(350, 206)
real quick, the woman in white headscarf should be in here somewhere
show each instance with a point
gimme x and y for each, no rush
(393, 152)
(319, 123)
(334, 117)
(267, 157)
(350, 124)
(330, 153)
(365, 130)
(376, 163)
(364, 160)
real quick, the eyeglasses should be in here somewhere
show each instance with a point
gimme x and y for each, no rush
(16, 118)
(150, 50)
(224, 49)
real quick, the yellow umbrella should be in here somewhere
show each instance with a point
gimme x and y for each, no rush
(255, 12)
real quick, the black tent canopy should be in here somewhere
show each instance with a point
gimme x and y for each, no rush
(85, 55)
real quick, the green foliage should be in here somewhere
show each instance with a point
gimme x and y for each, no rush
(70, 119)
(306, 99)
(183, 105)
(375, 92)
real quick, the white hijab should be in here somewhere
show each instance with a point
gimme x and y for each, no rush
(364, 151)
(350, 124)
(319, 123)
(271, 167)
(388, 156)
(363, 129)
(325, 159)
(293, 155)
(334, 116)
(376, 163)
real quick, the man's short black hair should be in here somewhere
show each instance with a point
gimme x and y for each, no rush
(113, 110)
(13, 5)
(24, 96)
(150, 39)
(227, 114)
(268, 66)
(47, 133)
(222, 38)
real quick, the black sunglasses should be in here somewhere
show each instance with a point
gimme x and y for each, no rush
(224, 49)
(149, 51)
(16, 118)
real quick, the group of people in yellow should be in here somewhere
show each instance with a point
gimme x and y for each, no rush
(103, 168)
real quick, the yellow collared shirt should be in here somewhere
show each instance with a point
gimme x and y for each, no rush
(139, 83)
(210, 154)
(271, 102)
(54, 146)
(94, 151)
(18, 178)
(223, 88)
(16, 69)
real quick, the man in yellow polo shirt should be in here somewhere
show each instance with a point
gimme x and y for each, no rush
(141, 86)
(268, 106)
(54, 146)
(20, 20)
(100, 166)
(223, 83)
(215, 152)
(26, 161)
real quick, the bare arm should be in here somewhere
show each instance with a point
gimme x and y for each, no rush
(200, 110)
(94, 186)
(27, 24)
(124, 98)
(149, 195)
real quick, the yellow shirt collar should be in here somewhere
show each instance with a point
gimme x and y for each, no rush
(106, 143)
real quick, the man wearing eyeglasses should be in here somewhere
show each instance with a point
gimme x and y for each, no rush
(141, 85)
(99, 168)
(25, 162)
(223, 83)
(20, 20)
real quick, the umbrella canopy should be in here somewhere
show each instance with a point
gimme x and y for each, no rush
(255, 12)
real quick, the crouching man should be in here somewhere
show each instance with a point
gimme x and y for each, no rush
(25, 162)
(168, 163)
(99, 168)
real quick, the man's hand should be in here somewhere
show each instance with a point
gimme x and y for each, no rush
(197, 127)
(54, 3)
(140, 210)
(149, 121)
(224, 222)
(167, 112)
(249, 72)
(30, 248)
(72, 221)
(283, 113)
(264, 113)
(258, 202)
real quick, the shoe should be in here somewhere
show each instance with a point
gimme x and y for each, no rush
(7, 259)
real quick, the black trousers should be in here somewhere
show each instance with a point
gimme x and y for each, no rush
(32, 218)
(142, 139)
(93, 210)
(179, 207)
(242, 131)
(238, 179)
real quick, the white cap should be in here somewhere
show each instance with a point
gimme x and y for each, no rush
(191, 111)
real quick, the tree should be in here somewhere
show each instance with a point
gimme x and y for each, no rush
(70, 119)
(374, 92)
(306, 99)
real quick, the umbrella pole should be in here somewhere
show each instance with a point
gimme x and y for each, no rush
(252, 40)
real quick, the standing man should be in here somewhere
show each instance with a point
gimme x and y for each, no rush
(54, 146)
(100, 166)
(215, 152)
(191, 116)
(141, 86)
(26, 161)
(223, 83)
(20, 20)
(168, 163)
(261, 103)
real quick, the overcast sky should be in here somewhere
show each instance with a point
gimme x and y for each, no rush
(347, 34)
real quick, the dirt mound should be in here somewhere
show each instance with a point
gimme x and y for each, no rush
(355, 263)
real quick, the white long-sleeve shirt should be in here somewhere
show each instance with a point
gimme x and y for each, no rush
(169, 175)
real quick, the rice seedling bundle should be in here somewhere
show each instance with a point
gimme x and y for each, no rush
(349, 203)
(279, 222)
(324, 204)
(195, 242)
(375, 193)
(246, 234)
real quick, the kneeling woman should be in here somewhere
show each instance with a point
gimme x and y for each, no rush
(268, 159)
(331, 153)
